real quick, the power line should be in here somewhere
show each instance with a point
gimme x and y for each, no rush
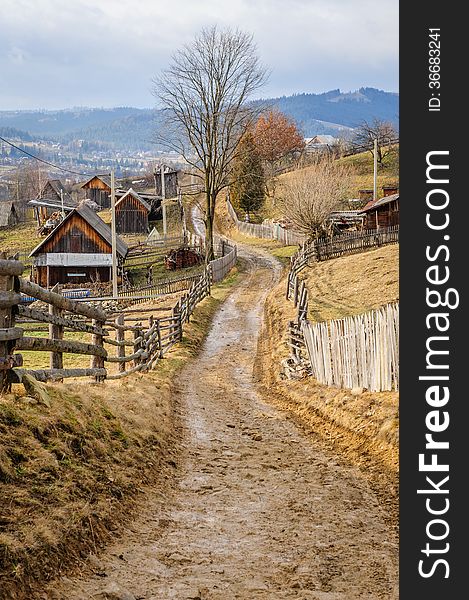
(46, 162)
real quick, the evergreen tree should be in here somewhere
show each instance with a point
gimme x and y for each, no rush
(248, 182)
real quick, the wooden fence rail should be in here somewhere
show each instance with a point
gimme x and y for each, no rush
(148, 345)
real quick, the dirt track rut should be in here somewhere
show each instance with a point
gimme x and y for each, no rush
(258, 508)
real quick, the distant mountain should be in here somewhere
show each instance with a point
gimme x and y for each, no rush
(338, 108)
(126, 128)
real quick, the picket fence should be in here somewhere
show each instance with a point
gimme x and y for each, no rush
(356, 352)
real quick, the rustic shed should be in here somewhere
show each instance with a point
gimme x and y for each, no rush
(49, 200)
(78, 250)
(170, 182)
(153, 201)
(132, 213)
(8, 214)
(98, 189)
(383, 212)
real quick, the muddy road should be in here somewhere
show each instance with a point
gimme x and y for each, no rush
(257, 509)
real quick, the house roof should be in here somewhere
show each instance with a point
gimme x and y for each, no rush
(345, 216)
(134, 194)
(6, 208)
(106, 179)
(49, 204)
(380, 202)
(95, 222)
(320, 139)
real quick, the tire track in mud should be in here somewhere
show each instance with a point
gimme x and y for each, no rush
(258, 509)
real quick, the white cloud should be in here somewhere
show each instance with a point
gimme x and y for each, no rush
(82, 52)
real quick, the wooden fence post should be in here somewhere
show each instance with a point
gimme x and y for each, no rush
(9, 272)
(120, 337)
(56, 332)
(137, 344)
(97, 362)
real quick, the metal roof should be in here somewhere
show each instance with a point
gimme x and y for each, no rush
(49, 204)
(380, 202)
(95, 222)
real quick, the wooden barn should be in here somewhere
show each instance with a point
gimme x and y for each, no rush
(8, 214)
(380, 213)
(77, 251)
(132, 213)
(98, 189)
(49, 200)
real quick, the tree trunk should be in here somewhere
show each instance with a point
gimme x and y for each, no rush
(209, 253)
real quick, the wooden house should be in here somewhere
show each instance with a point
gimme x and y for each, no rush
(132, 213)
(98, 189)
(8, 214)
(153, 201)
(380, 213)
(78, 250)
(49, 200)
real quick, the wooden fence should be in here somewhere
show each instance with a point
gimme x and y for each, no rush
(326, 248)
(356, 352)
(360, 351)
(267, 232)
(148, 344)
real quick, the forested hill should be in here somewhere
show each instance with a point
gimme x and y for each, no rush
(128, 127)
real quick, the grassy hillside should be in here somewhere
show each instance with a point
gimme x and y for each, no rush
(351, 285)
(362, 166)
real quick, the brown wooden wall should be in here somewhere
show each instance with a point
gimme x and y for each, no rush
(383, 216)
(99, 192)
(65, 275)
(131, 216)
(76, 235)
(101, 197)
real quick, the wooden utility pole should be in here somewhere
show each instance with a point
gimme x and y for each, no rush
(163, 197)
(113, 235)
(375, 169)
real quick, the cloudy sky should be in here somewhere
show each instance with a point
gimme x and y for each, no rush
(65, 53)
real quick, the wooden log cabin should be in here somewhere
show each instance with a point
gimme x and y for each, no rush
(132, 213)
(380, 213)
(77, 251)
(98, 189)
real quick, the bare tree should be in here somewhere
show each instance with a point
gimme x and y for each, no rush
(308, 196)
(381, 131)
(204, 93)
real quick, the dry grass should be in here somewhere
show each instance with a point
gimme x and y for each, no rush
(70, 473)
(351, 285)
(362, 171)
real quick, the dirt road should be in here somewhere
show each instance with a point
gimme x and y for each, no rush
(258, 509)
